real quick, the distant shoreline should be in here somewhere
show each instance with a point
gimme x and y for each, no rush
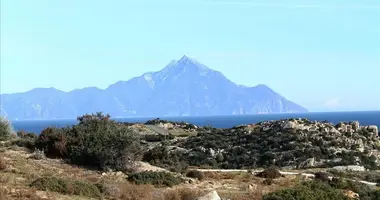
(218, 121)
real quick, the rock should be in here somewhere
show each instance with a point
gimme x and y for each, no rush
(373, 129)
(210, 196)
(252, 187)
(356, 168)
(355, 125)
(289, 125)
(352, 195)
(309, 163)
(119, 174)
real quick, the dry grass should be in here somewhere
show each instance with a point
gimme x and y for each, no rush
(3, 164)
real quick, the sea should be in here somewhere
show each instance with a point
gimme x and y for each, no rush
(226, 121)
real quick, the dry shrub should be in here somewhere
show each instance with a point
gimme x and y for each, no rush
(3, 164)
(268, 181)
(195, 174)
(210, 175)
(181, 194)
(271, 173)
(222, 175)
(136, 192)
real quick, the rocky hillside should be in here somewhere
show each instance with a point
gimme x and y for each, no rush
(99, 158)
(291, 143)
(183, 88)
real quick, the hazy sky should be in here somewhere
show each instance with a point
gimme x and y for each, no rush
(322, 54)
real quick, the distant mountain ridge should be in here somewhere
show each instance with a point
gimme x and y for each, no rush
(183, 88)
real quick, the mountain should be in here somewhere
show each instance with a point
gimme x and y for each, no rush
(183, 88)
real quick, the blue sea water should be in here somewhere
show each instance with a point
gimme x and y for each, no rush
(365, 118)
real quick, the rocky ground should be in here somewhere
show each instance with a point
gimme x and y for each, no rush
(22, 169)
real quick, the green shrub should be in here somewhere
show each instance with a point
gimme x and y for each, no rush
(365, 192)
(100, 142)
(314, 190)
(53, 142)
(27, 140)
(87, 189)
(6, 129)
(53, 184)
(155, 178)
(162, 157)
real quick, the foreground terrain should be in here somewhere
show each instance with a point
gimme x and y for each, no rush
(103, 159)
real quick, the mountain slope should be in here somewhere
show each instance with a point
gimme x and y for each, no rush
(183, 88)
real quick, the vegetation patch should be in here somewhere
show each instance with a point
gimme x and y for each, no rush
(155, 178)
(195, 174)
(63, 186)
(6, 129)
(270, 173)
(309, 190)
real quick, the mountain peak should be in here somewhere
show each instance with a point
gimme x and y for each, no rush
(187, 60)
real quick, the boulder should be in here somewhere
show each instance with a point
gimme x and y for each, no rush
(309, 163)
(210, 196)
(373, 129)
(290, 125)
(356, 168)
(355, 126)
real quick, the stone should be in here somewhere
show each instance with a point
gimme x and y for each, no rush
(309, 163)
(289, 125)
(352, 195)
(355, 125)
(119, 174)
(356, 168)
(210, 196)
(373, 129)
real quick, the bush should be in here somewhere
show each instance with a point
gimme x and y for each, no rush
(161, 156)
(314, 190)
(53, 141)
(51, 184)
(6, 129)
(100, 142)
(155, 178)
(322, 176)
(195, 174)
(271, 173)
(83, 188)
(27, 140)
(365, 192)
(63, 186)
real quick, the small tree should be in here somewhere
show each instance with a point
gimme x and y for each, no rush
(97, 141)
(6, 129)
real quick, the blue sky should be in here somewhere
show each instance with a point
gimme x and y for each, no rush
(322, 54)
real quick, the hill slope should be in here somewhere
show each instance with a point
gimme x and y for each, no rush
(183, 88)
